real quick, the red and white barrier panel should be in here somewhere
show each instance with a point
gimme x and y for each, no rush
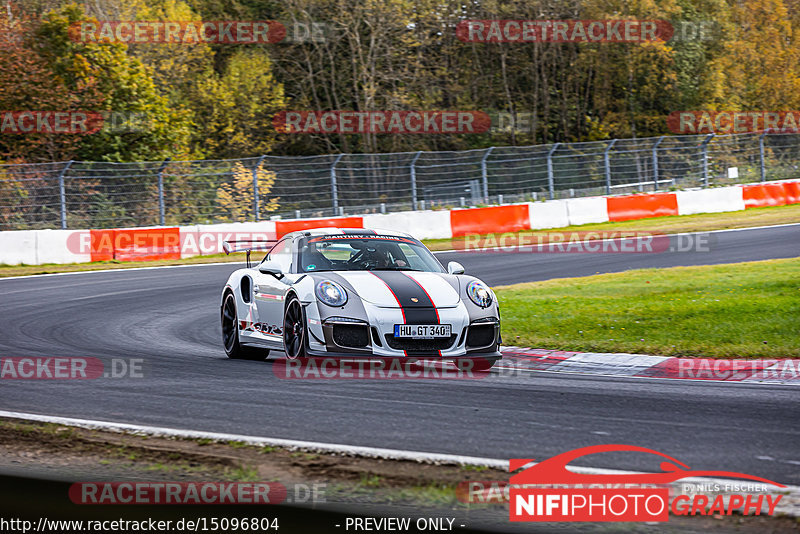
(157, 243)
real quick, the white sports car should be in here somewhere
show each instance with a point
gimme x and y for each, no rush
(345, 293)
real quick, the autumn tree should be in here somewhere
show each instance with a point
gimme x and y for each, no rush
(237, 107)
(237, 198)
(125, 85)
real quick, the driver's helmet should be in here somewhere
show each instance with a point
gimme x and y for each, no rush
(380, 256)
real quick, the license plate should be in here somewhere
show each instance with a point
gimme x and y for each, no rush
(422, 331)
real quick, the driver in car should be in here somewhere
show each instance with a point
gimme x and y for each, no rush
(382, 259)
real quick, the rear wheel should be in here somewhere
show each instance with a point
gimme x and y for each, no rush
(230, 334)
(294, 330)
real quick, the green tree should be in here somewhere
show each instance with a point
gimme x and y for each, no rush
(236, 199)
(126, 87)
(237, 107)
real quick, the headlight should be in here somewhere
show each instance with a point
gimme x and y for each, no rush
(479, 294)
(331, 293)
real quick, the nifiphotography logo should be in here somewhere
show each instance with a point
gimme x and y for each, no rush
(548, 491)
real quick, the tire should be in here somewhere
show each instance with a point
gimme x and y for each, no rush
(295, 335)
(482, 365)
(230, 334)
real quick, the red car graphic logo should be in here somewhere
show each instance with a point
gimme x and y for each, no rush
(554, 470)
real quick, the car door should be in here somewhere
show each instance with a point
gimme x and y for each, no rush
(270, 293)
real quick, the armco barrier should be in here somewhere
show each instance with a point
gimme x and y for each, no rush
(497, 219)
(630, 207)
(714, 200)
(141, 244)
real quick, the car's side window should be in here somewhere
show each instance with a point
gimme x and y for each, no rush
(282, 253)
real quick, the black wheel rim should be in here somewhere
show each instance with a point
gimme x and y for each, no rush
(293, 330)
(229, 323)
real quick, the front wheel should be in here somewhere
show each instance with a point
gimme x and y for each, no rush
(230, 334)
(294, 330)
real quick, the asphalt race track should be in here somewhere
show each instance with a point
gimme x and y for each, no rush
(170, 318)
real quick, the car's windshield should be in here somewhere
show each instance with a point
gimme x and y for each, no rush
(365, 253)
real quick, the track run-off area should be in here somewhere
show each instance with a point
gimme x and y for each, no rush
(167, 321)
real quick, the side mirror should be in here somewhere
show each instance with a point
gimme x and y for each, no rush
(270, 267)
(455, 268)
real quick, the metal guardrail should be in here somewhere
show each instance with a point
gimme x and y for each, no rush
(79, 194)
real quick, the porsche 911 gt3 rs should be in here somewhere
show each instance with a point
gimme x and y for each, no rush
(357, 293)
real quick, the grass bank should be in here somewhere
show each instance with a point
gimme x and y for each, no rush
(740, 310)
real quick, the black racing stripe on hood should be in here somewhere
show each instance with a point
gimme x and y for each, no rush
(405, 289)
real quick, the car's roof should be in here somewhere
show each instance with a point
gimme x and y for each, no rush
(332, 230)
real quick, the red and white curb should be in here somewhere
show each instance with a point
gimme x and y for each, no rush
(774, 371)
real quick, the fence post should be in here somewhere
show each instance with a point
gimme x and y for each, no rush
(62, 194)
(485, 175)
(256, 203)
(607, 162)
(655, 162)
(704, 147)
(334, 188)
(761, 154)
(413, 171)
(550, 180)
(161, 191)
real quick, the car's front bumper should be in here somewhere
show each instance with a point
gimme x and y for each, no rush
(373, 336)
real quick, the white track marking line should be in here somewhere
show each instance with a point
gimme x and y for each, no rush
(121, 269)
(315, 446)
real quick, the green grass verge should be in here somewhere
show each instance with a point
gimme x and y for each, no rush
(740, 310)
(668, 225)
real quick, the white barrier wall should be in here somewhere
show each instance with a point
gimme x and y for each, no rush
(420, 224)
(18, 246)
(713, 200)
(63, 246)
(549, 214)
(73, 246)
(206, 239)
(587, 210)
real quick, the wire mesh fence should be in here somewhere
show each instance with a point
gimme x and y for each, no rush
(80, 194)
